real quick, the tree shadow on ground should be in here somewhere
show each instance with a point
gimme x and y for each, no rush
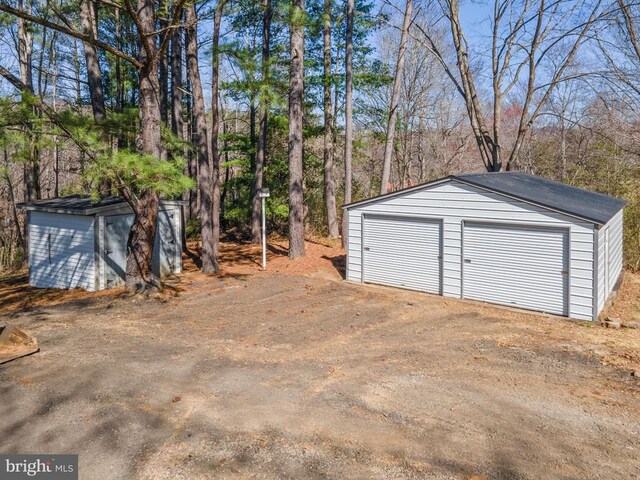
(17, 295)
(277, 250)
(193, 256)
(339, 262)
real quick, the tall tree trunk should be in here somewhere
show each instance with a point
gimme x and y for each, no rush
(329, 181)
(164, 79)
(139, 276)
(25, 56)
(296, 93)
(205, 185)
(94, 77)
(176, 84)
(215, 127)
(25, 46)
(56, 148)
(192, 160)
(348, 120)
(395, 97)
(486, 145)
(41, 71)
(177, 123)
(88, 20)
(262, 139)
(119, 80)
(227, 170)
(12, 201)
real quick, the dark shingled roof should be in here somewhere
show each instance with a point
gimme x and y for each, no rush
(74, 202)
(578, 202)
(77, 205)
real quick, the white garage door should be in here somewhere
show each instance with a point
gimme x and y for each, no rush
(402, 252)
(526, 267)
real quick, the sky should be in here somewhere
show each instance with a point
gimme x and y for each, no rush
(474, 16)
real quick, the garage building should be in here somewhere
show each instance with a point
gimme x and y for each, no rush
(75, 242)
(507, 238)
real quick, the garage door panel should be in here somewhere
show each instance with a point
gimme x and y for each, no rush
(512, 284)
(402, 252)
(526, 267)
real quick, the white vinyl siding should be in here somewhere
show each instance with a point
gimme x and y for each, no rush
(100, 225)
(402, 252)
(167, 250)
(610, 243)
(454, 202)
(61, 251)
(600, 238)
(354, 237)
(177, 225)
(616, 238)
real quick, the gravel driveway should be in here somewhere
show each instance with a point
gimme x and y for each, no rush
(283, 376)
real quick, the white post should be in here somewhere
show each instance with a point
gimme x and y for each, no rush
(264, 236)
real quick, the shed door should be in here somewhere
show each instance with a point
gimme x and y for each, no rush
(166, 250)
(525, 267)
(117, 228)
(402, 252)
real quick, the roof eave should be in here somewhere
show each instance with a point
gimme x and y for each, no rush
(87, 212)
(598, 222)
(398, 192)
(42, 208)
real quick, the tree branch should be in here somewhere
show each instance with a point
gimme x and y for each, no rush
(175, 20)
(69, 31)
(46, 109)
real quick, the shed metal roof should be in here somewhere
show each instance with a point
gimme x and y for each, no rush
(578, 202)
(82, 204)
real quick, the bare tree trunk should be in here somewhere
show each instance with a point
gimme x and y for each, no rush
(88, 18)
(56, 151)
(205, 185)
(329, 181)
(296, 93)
(139, 276)
(563, 148)
(483, 138)
(25, 46)
(12, 201)
(164, 79)
(215, 127)
(348, 121)
(177, 123)
(43, 48)
(227, 171)
(118, 60)
(262, 139)
(177, 126)
(25, 56)
(192, 161)
(94, 77)
(395, 97)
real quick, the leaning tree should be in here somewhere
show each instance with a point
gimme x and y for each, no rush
(140, 178)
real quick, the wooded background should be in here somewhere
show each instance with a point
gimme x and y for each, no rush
(323, 102)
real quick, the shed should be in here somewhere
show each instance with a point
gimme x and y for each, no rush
(507, 238)
(75, 242)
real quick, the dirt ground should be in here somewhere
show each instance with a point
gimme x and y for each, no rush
(294, 373)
